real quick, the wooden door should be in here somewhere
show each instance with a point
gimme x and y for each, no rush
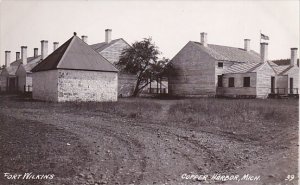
(291, 85)
(272, 84)
(12, 84)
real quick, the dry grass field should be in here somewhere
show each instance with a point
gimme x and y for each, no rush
(149, 141)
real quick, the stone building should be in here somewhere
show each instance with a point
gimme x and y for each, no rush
(204, 69)
(111, 50)
(75, 72)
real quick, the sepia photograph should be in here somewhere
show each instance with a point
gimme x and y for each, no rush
(149, 92)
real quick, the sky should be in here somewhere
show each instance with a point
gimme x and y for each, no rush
(171, 24)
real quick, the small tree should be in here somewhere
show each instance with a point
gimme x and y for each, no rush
(142, 60)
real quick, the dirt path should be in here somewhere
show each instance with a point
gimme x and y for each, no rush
(127, 151)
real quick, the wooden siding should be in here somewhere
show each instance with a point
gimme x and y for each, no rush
(220, 71)
(195, 73)
(21, 74)
(126, 84)
(263, 85)
(282, 82)
(113, 52)
(3, 80)
(293, 73)
(238, 89)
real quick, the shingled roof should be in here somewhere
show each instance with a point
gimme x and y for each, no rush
(29, 59)
(103, 45)
(32, 63)
(77, 55)
(227, 53)
(243, 68)
(282, 62)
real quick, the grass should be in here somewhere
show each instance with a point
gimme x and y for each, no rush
(255, 119)
(252, 119)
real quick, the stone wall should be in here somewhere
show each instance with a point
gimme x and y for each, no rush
(75, 85)
(194, 73)
(126, 82)
(44, 85)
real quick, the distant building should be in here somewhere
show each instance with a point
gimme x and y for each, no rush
(2, 82)
(16, 76)
(23, 72)
(159, 86)
(286, 80)
(8, 78)
(111, 50)
(75, 72)
(204, 69)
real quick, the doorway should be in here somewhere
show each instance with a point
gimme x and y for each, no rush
(272, 84)
(291, 85)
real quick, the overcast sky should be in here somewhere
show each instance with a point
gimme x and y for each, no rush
(171, 24)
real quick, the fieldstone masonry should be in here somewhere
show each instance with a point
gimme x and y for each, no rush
(75, 85)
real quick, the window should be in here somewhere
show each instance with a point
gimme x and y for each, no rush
(231, 82)
(246, 81)
(220, 64)
(220, 81)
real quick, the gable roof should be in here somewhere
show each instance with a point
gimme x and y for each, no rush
(29, 59)
(284, 72)
(243, 68)
(103, 45)
(32, 63)
(278, 68)
(227, 53)
(281, 62)
(77, 55)
(16, 62)
(11, 70)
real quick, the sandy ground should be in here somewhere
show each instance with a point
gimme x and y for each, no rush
(84, 147)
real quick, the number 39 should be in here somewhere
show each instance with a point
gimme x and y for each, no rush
(289, 177)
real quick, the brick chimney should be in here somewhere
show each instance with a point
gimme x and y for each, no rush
(35, 52)
(44, 48)
(294, 56)
(55, 45)
(108, 35)
(7, 58)
(264, 51)
(247, 44)
(203, 39)
(84, 38)
(24, 54)
(17, 55)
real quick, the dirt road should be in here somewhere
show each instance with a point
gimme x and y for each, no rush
(86, 147)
